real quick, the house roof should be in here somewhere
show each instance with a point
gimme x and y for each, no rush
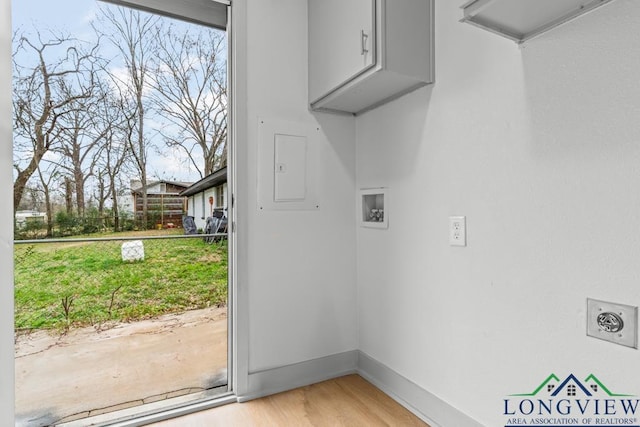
(217, 178)
(162, 181)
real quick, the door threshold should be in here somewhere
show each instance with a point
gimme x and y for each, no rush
(157, 411)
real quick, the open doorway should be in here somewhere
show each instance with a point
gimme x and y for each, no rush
(121, 206)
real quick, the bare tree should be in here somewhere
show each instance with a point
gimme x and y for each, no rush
(191, 96)
(102, 191)
(132, 33)
(38, 101)
(31, 198)
(115, 152)
(82, 138)
(46, 180)
(68, 195)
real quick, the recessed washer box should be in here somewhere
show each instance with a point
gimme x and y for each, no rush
(373, 212)
(616, 323)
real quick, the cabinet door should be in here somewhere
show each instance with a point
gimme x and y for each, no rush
(341, 43)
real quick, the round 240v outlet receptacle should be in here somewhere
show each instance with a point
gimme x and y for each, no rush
(616, 323)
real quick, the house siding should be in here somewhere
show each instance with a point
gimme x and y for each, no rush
(199, 208)
(164, 204)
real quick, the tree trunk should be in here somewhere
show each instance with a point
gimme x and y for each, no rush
(116, 213)
(68, 196)
(143, 164)
(79, 181)
(47, 201)
(21, 182)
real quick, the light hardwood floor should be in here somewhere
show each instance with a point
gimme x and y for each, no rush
(345, 401)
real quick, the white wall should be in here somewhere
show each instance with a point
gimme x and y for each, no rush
(540, 149)
(196, 210)
(296, 269)
(6, 217)
(296, 293)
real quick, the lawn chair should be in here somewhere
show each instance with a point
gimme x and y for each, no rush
(216, 224)
(222, 225)
(189, 225)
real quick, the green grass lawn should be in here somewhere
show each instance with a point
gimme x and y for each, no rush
(61, 285)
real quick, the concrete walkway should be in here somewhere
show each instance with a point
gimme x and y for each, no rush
(89, 372)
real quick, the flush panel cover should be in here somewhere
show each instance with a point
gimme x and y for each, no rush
(287, 165)
(290, 168)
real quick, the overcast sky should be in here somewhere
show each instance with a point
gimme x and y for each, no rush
(74, 17)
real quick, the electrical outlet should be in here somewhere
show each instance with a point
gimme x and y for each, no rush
(457, 231)
(616, 323)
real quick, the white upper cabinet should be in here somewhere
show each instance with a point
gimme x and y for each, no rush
(345, 47)
(363, 53)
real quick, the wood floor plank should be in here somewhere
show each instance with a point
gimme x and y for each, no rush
(341, 402)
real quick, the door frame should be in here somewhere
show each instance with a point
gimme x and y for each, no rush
(237, 360)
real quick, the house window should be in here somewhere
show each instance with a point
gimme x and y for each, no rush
(550, 387)
(571, 390)
(594, 387)
(220, 196)
(163, 187)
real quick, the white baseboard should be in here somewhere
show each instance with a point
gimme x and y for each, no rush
(419, 401)
(276, 380)
(425, 405)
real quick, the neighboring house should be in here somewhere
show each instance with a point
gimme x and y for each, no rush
(165, 205)
(207, 195)
(25, 217)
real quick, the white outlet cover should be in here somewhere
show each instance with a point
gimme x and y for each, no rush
(457, 231)
(627, 314)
